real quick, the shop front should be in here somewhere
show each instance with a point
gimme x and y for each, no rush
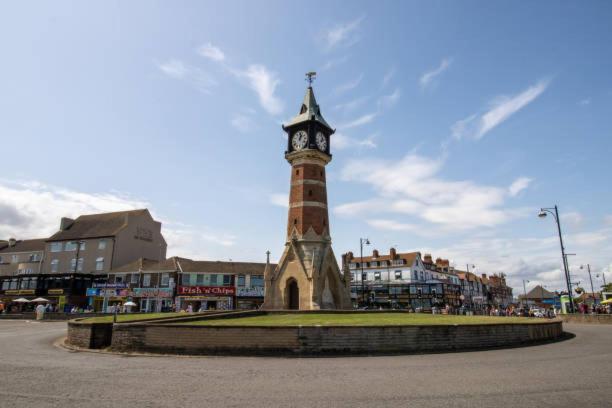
(249, 298)
(196, 298)
(102, 296)
(152, 299)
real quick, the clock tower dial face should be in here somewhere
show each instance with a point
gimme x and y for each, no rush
(299, 140)
(321, 141)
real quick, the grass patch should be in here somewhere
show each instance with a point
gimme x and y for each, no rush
(358, 319)
(131, 317)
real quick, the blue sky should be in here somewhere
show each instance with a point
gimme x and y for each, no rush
(456, 122)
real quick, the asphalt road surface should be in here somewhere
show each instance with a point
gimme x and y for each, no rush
(572, 373)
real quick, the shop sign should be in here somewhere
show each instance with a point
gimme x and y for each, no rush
(151, 292)
(207, 290)
(55, 291)
(111, 292)
(257, 291)
(110, 285)
(92, 292)
(20, 292)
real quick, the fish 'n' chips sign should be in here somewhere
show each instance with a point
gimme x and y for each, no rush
(207, 290)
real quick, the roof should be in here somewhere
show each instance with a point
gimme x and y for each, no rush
(96, 225)
(408, 256)
(188, 265)
(309, 111)
(26, 245)
(539, 293)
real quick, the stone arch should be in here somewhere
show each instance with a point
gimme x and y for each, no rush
(292, 294)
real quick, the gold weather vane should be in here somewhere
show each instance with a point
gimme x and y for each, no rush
(311, 76)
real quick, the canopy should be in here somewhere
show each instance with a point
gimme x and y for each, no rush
(606, 302)
(21, 300)
(39, 299)
(130, 303)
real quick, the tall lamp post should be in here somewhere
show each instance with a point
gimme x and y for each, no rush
(362, 242)
(525, 291)
(590, 279)
(542, 214)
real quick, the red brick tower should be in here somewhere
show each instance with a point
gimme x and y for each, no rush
(307, 276)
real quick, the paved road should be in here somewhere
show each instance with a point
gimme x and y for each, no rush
(573, 373)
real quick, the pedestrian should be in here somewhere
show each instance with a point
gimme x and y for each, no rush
(190, 309)
(40, 311)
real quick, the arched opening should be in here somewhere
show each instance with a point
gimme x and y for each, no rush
(292, 297)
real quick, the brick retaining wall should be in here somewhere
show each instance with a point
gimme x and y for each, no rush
(587, 318)
(90, 335)
(308, 340)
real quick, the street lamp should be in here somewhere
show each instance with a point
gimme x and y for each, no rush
(362, 242)
(590, 279)
(542, 214)
(525, 292)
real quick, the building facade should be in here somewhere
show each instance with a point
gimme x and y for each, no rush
(400, 280)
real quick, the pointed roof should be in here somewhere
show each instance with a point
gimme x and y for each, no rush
(309, 111)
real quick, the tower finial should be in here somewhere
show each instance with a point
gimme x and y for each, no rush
(310, 76)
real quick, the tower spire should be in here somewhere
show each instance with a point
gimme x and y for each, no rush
(310, 77)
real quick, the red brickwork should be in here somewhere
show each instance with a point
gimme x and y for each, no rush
(302, 213)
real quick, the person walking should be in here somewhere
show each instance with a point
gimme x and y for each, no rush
(40, 311)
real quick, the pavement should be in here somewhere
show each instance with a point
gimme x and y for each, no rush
(572, 373)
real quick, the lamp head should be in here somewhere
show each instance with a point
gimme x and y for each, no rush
(367, 242)
(542, 214)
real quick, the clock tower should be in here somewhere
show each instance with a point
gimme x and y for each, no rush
(307, 276)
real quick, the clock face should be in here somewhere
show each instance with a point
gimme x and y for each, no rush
(321, 141)
(299, 140)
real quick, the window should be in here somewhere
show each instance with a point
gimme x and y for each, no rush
(102, 244)
(165, 278)
(119, 278)
(213, 280)
(134, 278)
(257, 280)
(376, 276)
(398, 275)
(82, 246)
(227, 280)
(241, 280)
(14, 258)
(35, 257)
(71, 246)
(80, 265)
(185, 279)
(364, 276)
(373, 264)
(146, 280)
(99, 264)
(200, 279)
(5, 284)
(24, 284)
(55, 247)
(352, 265)
(54, 266)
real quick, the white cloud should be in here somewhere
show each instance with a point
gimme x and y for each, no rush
(173, 68)
(211, 52)
(344, 34)
(388, 76)
(519, 185)
(585, 102)
(347, 86)
(573, 219)
(411, 186)
(388, 101)
(341, 141)
(264, 83)
(179, 70)
(427, 78)
(360, 121)
(279, 199)
(33, 210)
(242, 122)
(476, 126)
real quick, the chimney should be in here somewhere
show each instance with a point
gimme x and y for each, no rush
(427, 259)
(375, 253)
(66, 223)
(12, 242)
(484, 276)
(392, 253)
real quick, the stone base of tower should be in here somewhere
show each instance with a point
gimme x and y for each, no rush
(307, 277)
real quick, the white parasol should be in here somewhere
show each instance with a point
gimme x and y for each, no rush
(39, 299)
(21, 300)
